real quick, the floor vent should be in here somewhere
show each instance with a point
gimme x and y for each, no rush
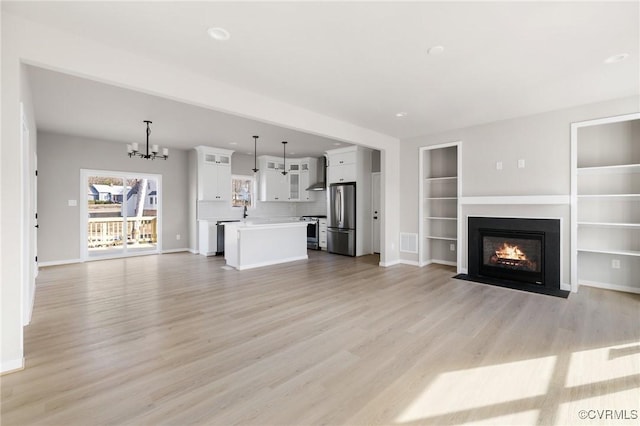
(408, 242)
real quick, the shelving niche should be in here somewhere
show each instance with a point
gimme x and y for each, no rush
(440, 205)
(606, 190)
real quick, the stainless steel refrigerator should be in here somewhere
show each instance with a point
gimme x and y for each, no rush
(341, 226)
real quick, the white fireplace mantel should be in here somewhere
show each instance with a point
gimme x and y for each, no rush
(518, 200)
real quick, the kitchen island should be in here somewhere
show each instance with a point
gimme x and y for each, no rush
(255, 243)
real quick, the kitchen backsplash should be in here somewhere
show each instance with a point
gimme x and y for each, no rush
(215, 209)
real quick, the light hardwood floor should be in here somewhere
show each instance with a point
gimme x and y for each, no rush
(176, 339)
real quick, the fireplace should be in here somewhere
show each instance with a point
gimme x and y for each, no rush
(517, 253)
(513, 255)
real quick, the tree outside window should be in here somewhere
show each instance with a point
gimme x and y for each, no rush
(242, 191)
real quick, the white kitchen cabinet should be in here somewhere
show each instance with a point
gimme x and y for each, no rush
(207, 237)
(343, 165)
(274, 186)
(304, 184)
(342, 173)
(322, 240)
(214, 174)
(294, 186)
(343, 158)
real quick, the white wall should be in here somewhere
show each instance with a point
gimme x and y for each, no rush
(22, 42)
(542, 140)
(60, 159)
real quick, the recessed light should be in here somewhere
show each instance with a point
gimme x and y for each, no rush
(435, 50)
(401, 114)
(292, 153)
(218, 33)
(616, 58)
(250, 153)
(233, 143)
(337, 144)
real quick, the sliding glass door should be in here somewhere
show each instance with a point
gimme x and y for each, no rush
(121, 215)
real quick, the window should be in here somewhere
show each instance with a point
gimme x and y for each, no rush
(242, 191)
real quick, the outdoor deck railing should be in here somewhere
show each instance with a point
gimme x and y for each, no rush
(108, 231)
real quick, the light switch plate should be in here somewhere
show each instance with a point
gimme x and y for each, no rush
(73, 203)
(499, 165)
(521, 164)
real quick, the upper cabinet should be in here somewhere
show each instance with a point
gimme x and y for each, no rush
(272, 183)
(274, 186)
(214, 173)
(343, 165)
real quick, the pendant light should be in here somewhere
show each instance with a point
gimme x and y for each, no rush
(284, 157)
(132, 148)
(255, 154)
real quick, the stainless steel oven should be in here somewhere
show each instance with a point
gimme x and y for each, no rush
(313, 231)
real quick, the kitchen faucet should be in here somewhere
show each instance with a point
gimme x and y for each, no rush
(244, 214)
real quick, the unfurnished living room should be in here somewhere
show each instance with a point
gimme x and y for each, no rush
(320, 213)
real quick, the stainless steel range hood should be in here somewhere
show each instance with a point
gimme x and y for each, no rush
(321, 184)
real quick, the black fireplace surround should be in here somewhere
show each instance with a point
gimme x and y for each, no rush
(523, 254)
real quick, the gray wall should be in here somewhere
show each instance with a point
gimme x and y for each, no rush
(375, 161)
(60, 158)
(542, 140)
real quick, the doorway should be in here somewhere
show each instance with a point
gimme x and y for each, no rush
(121, 215)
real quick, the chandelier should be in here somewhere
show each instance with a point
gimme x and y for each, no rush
(132, 148)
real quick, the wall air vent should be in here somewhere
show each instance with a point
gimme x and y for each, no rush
(408, 242)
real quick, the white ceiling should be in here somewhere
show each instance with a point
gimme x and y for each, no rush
(362, 62)
(71, 105)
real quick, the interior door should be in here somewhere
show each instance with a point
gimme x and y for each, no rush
(375, 208)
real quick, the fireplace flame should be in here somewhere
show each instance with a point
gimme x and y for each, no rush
(510, 252)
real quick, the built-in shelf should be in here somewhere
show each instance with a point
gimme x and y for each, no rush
(440, 189)
(619, 168)
(441, 218)
(605, 251)
(609, 225)
(435, 179)
(432, 237)
(605, 166)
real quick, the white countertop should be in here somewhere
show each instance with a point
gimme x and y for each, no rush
(250, 223)
(254, 220)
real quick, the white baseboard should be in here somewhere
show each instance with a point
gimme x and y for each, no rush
(59, 262)
(409, 262)
(175, 250)
(463, 271)
(11, 366)
(272, 262)
(193, 251)
(387, 264)
(444, 262)
(565, 286)
(608, 286)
